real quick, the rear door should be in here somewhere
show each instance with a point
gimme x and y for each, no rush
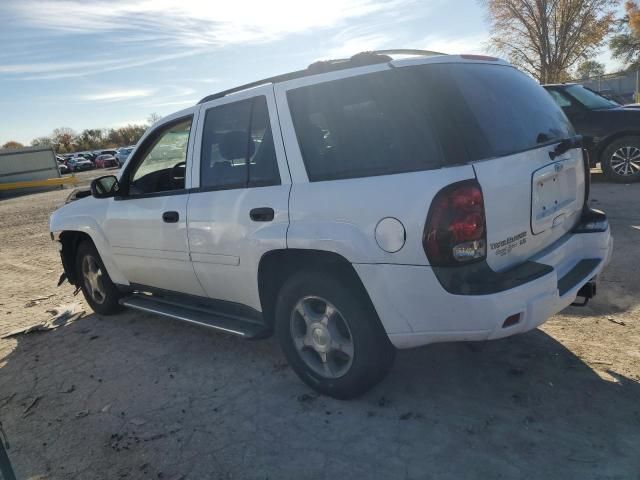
(238, 209)
(508, 125)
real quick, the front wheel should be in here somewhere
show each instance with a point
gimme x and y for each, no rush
(331, 335)
(99, 291)
(621, 160)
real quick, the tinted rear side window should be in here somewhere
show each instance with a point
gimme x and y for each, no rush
(362, 126)
(495, 109)
(237, 146)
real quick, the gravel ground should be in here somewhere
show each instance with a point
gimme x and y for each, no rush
(140, 397)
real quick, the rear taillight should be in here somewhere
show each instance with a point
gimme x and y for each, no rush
(455, 231)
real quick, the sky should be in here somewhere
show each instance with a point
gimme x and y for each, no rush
(106, 63)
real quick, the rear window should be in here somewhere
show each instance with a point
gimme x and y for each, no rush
(495, 109)
(420, 118)
(361, 126)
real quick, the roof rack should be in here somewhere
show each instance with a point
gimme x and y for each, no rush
(358, 60)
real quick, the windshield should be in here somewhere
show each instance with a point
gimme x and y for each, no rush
(589, 98)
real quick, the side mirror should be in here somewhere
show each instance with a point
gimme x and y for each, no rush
(105, 187)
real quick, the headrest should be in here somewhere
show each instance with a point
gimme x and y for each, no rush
(234, 145)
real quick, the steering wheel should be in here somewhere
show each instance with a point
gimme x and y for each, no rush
(177, 175)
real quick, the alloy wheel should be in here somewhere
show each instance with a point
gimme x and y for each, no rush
(321, 337)
(625, 161)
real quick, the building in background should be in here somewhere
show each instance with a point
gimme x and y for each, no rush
(32, 164)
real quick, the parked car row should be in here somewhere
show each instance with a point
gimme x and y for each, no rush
(80, 161)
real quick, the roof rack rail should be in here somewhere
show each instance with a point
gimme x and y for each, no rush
(407, 51)
(358, 60)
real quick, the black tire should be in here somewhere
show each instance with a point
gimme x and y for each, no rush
(613, 164)
(107, 302)
(373, 353)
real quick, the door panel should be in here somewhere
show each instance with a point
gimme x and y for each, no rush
(147, 226)
(148, 250)
(226, 245)
(240, 168)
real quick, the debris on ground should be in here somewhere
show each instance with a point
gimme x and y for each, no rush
(617, 322)
(138, 422)
(62, 315)
(306, 398)
(68, 388)
(33, 403)
(36, 301)
(82, 413)
(600, 362)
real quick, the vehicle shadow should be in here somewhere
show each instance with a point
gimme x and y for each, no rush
(138, 396)
(618, 289)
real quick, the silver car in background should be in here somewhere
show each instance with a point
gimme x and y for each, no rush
(122, 154)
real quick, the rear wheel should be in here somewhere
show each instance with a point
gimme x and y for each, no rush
(99, 291)
(621, 160)
(331, 335)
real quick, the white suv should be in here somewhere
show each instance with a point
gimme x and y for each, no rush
(352, 208)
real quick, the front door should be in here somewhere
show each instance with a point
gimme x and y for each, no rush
(147, 224)
(239, 210)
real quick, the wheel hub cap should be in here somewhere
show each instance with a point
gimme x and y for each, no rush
(322, 337)
(626, 161)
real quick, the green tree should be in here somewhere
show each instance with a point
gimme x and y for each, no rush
(127, 135)
(91, 139)
(590, 68)
(625, 44)
(546, 38)
(13, 144)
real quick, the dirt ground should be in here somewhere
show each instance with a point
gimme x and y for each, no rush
(140, 397)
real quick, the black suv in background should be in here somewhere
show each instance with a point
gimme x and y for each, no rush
(614, 129)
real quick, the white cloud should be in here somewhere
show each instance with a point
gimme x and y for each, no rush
(475, 44)
(195, 22)
(117, 95)
(355, 45)
(47, 67)
(58, 70)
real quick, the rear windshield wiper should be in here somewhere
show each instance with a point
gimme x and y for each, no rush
(565, 145)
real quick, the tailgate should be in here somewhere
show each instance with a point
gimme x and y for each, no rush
(530, 202)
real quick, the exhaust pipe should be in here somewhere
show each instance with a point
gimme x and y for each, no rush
(587, 292)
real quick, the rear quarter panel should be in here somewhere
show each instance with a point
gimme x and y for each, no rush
(341, 215)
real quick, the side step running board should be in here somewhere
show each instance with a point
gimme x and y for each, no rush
(197, 316)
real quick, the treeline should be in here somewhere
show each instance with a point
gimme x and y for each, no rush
(66, 140)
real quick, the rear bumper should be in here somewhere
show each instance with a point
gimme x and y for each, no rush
(416, 309)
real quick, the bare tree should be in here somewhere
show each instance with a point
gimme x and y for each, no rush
(63, 139)
(42, 142)
(153, 118)
(546, 38)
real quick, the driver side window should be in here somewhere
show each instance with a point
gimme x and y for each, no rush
(163, 164)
